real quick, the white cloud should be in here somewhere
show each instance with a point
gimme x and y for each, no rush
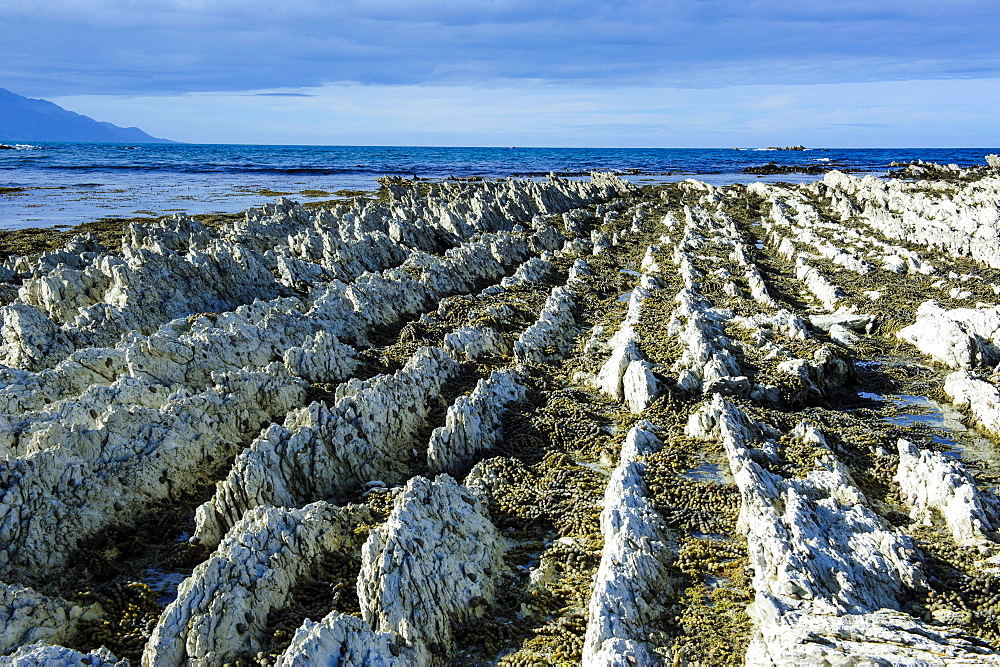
(893, 114)
(169, 46)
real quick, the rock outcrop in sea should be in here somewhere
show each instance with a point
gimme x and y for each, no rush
(513, 423)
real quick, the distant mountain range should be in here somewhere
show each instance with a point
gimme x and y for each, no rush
(26, 119)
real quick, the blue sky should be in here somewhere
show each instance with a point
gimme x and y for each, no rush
(555, 73)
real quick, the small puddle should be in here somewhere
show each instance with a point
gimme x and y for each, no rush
(596, 467)
(630, 272)
(760, 245)
(626, 297)
(959, 440)
(165, 584)
(711, 472)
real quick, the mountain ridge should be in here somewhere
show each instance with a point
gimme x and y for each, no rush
(28, 119)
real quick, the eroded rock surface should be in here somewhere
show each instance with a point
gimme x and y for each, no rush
(633, 574)
(434, 563)
(218, 445)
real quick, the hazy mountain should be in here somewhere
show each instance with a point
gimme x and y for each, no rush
(26, 119)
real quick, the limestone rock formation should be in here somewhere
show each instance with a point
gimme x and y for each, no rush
(221, 610)
(432, 564)
(340, 639)
(42, 655)
(30, 618)
(981, 398)
(321, 451)
(549, 337)
(933, 485)
(316, 364)
(474, 423)
(633, 574)
(821, 556)
(959, 338)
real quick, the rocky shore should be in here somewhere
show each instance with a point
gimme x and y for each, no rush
(514, 423)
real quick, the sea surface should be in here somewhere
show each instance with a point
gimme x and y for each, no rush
(72, 183)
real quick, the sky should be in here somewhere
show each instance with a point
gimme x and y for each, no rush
(658, 73)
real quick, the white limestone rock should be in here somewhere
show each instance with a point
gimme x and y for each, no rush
(344, 640)
(610, 379)
(959, 219)
(828, 573)
(978, 396)
(881, 637)
(639, 385)
(322, 452)
(825, 291)
(434, 562)
(473, 423)
(784, 321)
(579, 270)
(131, 457)
(706, 360)
(475, 342)
(534, 270)
(601, 242)
(857, 322)
(27, 617)
(632, 579)
(843, 336)
(758, 289)
(933, 485)
(959, 338)
(548, 338)
(221, 609)
(322, 359)
(176, 267)
(30, 340)
(828, 370)
(47, 655)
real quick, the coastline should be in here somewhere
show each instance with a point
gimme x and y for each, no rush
(564, 419)
(70, 184)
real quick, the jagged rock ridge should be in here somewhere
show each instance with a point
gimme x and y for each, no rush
(511, 422)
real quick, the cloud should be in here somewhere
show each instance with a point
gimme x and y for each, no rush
(284, 94)
(515, 113)
(62, 47)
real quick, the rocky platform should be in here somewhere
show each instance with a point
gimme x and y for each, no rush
(513, 423)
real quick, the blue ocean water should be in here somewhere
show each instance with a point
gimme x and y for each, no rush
(71, 183)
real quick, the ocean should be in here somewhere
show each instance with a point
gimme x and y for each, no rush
(50, 184)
